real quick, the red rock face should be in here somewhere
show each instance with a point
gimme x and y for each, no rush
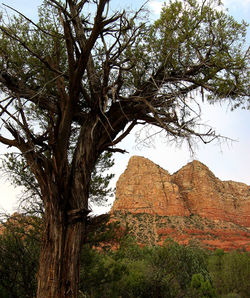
(209, 197)
(146, 188)
(190, 205)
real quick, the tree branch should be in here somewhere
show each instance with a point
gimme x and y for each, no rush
(8, 142)
(23, 91)
(124, 134)
(114, 150)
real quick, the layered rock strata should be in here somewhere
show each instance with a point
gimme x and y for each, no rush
(190, 205)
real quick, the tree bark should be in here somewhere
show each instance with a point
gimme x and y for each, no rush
(66, 195)
(58, 274)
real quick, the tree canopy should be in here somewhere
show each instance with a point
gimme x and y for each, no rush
(125, 65)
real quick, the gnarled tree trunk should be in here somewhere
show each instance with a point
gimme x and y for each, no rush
(58, 274)
(66, 208)
(59, 262)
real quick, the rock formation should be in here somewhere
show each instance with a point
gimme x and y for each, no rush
(191, 204)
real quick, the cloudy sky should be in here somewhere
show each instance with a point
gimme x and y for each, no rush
(228, 160)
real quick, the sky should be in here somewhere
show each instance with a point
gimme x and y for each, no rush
(227, 160)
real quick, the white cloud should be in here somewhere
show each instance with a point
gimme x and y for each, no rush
(155, 6)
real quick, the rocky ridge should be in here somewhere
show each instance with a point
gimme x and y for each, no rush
(190, 205)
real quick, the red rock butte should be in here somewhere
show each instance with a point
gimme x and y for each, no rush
(190, 205)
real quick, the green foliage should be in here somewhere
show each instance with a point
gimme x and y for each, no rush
(104, 234)
(190, 28)
(19, 255)
(147, 272)
(15, 168)
(99, 273)
(18, 173)
(99, 190)
(38, 44)
(230, 273)
(169, 271)
(175, 264)
(201, 288)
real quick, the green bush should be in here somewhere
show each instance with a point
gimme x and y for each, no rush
(132, 271)
(201, 287)
(230, 273)
(19, 255)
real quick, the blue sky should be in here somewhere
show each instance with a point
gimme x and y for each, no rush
(228, 161)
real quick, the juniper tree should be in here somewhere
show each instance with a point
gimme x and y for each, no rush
(86, 78)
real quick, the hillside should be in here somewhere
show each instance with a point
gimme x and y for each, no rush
(190, 205)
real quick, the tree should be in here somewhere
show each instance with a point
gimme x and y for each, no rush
(230, 273)
(85, 80)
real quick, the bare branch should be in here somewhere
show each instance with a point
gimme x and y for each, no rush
(8, 142)
(4, 109)
(114, 150)
(23, 91)
(124, 134)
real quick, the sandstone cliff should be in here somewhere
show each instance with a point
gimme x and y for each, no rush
(191, 204)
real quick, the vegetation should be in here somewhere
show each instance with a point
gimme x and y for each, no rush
(76, 83)
(128, 271)
(20, 239)
(15, 169)
(230, 273)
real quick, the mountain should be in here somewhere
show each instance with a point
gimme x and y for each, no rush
(190, 205)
